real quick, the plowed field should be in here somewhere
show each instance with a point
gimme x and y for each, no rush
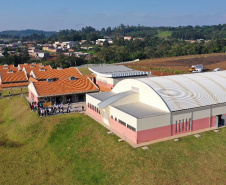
(180, 65)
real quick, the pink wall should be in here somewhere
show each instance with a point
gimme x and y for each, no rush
(196, 125)
(32, 97)
(161, 132)
(104, 84)
(181, 130)
(152, 134)
(213, 121)
(93, 113)
(128, 133)
(200, 124)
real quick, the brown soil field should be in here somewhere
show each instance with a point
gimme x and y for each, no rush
(180, 65)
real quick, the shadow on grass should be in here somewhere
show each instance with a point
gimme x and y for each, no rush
(5, 142)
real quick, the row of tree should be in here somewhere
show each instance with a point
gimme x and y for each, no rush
(157, 48)
(89, 33)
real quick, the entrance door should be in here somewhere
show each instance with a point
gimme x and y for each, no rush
(81, 97)
(219, 121)
(69, 99)
(59, 99)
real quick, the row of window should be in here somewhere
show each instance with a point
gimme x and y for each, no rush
(94, 108)
(129, 74)
(124, 124)
(183, 125)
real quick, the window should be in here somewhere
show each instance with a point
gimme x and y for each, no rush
(186, 125)
(179, 125)
(122, 122)
(189, 123)
(176, 128)
(130, 127)
(115, 119)
(111, 117)
(183, 125)
(88, 104)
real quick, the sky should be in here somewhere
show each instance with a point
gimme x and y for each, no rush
(55, 15)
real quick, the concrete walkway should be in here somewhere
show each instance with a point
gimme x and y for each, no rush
(75, 108)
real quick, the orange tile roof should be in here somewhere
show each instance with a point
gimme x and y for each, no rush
(15, 85)
(55, 73)
(103, 89)
(9, 67)
(64, 86)
(34, 67)
(0, 88)
(19, 76)
(31, 79)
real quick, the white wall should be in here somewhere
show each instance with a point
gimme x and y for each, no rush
(147, 94)
(105, 79)
(153, 122)
(93, 101)
(201, 114)
(31, 87)
(128, 119)
(219, 111)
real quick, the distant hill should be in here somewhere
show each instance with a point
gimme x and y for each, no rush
(28, 32)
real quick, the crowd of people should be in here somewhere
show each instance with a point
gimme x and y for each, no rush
(51, 110)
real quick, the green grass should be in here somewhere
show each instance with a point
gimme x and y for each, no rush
(85, 70)
(164, 34)
(75, 149)
(13, 91)
(88, 51)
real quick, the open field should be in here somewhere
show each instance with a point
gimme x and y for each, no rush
(85, 70)
(74, 149)
(14, 91)
(164, 34)
(179, 65)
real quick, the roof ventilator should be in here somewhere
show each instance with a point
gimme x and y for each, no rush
(10, 71)
(72, 78)
(51, 79)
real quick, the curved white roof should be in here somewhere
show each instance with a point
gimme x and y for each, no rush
(190, 90)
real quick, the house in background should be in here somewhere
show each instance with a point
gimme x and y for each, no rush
(43, 55)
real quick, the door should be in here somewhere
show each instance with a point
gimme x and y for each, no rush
(219, 121)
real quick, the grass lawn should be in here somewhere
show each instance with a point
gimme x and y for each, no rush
(164, 34)
(74, 149)
(12, 91)
(84, 70)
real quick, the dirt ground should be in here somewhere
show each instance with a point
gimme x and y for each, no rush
(180, 65)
